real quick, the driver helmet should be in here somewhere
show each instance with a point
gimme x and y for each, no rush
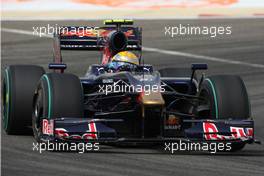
(124, 61)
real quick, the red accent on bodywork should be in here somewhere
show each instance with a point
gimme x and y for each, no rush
(210, 132)
(47, 127)
(210, 128)
(61, 133)
(238, 132)
(250, 132)
(107, 55)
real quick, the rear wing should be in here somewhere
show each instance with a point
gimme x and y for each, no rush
(92, 38)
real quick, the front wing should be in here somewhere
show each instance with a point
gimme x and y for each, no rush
(98, 130)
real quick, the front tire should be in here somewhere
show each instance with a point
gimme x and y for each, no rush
(227, 97)
(57, 95)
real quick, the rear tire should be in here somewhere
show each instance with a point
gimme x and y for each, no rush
(227, 98)
(57, 95)
(18, 88)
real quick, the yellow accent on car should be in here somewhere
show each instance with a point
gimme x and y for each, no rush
(126, 56)
(118, 21)
(154, 98)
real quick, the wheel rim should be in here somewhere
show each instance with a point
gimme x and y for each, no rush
(6, 99)
(37, 114)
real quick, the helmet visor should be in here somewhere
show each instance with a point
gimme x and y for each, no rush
(122, 66)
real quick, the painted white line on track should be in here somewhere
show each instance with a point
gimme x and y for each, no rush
(19, 31)
(156, 50)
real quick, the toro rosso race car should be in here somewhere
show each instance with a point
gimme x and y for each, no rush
(122, 99)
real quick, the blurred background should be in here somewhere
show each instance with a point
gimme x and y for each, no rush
(100, 9)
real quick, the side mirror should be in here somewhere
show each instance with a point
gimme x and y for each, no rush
(58, 67)
(199, 67)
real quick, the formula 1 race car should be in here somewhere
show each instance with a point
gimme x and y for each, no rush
(122, 99)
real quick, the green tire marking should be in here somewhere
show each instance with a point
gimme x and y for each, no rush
(6, 114)
(215, 97)
(49, 95)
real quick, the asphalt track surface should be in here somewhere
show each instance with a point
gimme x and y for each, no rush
(246, 44)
